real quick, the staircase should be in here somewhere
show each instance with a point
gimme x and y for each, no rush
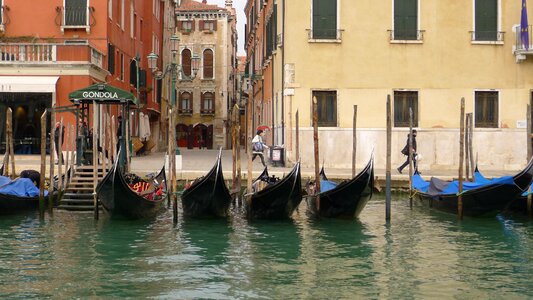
(78, 195)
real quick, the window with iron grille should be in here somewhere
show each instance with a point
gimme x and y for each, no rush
(403, 100)
(185, 103)
(324, 19)
(76, 12)
(111, 58)
(208, 103)
(186, 26)
(186, 61)
(208, 64)
(486, 109)
(405, 19)
(326, 108)
(486, 23)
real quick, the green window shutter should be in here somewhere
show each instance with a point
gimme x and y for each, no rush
(324, 19)
(486, 14)
(405, 19)
(76, 12)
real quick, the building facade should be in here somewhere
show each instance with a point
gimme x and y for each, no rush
(208, 33)
(424, 55)
(71, 44)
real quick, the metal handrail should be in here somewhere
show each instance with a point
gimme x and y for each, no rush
(487, 36)
(406, 35)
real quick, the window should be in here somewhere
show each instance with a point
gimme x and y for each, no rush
(111, 58)
(133, 73)
(403, 100)
(405, 19)
(186, 62)
(486, 20)
(122, 66)
(324, 19)
(185, 26)
(122, 8)
(208, 25)
(132, 19)
(208, 64)
(156, 9)
(110, 9)
(76, 12)
(208, 103)
(185, 104)
(486, 109)
(326, 108)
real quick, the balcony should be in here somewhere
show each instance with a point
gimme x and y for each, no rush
(185, 111)
(520, 49)
(49, 53)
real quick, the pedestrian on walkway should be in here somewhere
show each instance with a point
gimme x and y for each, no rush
(56, 139)
(258, 146)
(405, 151)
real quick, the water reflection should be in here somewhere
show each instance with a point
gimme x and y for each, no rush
(421, 254)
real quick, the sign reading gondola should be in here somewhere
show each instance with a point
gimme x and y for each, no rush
(102, 93)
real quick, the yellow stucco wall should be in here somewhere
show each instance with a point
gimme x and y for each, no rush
(365, 66)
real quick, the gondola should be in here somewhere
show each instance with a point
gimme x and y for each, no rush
(481, 197)
(207, 196)
(119, 200)
(12, 203)
(345, 200)
(278, 199)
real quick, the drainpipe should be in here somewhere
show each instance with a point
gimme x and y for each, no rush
(283, 72)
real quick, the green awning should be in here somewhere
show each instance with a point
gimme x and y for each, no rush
(102, 93)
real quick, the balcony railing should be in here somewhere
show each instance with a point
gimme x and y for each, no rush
(487, 36)
(74, 17)
(185, 111)
(519, 45)
(320, 34)
(206, 111)
(47, 53)
(406, 35)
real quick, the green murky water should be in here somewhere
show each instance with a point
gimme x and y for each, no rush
(421, 254)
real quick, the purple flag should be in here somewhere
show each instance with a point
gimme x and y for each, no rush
(524, 26)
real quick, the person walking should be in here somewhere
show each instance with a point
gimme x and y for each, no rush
(56, 140)
(405, 151)
(258, 146)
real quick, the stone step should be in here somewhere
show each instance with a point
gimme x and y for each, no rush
(81, 202)
(77, 196)
(77, 207)
(73, 189)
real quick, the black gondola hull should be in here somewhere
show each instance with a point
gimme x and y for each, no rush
(347, 200)
(208, 197)
(119, 201)
(277, 201)
(486, 200)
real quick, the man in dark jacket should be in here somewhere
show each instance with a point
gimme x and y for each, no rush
(405, 151)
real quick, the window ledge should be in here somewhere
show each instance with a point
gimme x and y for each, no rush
(330, 41)
(495, 43)
(406, 41)
(208, 79)
(208, 114)
(87, 28)
(185, 113)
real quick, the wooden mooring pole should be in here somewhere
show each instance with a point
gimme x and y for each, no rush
(388, 164)
(354, 140)
(52, 157)
(60, 157)
(316, 148)
(411, 157)
(95, 160)
(529, 154)
(297, 136)
(43, 165)
(249, 145)
(461, 158)
(173, 169)
(470, 145)
(467, 143)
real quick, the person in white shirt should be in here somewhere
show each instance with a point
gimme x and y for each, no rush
(258, 146)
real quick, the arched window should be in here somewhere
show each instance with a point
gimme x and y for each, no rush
(186, 61)
(208, 64)
(185, 104)
(208, 103)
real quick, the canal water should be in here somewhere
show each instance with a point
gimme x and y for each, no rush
(422, 254)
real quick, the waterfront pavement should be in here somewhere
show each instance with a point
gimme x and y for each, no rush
(196, 163)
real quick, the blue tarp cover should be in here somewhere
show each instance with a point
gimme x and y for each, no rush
(21, 187)
(326, 185)
(453, 187)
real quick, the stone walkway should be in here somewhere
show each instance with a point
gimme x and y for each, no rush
(197, 162)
